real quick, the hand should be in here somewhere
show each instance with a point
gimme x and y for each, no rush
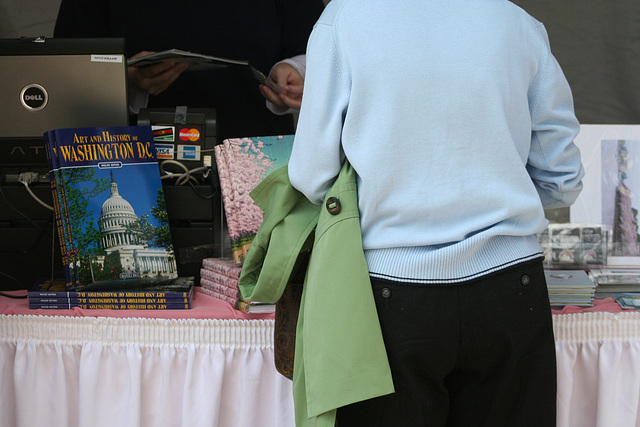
(154, 79)
(292, 83)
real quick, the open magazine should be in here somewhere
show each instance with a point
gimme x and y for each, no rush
(198, 62)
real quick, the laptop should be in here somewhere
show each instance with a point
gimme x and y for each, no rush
(57, 83)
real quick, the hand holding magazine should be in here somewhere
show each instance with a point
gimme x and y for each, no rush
(198, 62)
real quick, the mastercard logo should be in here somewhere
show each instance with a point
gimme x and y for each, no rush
(189, 134)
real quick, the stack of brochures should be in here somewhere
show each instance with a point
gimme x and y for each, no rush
(570, 287)
(628, 301)
(219, 279)
(613, 281)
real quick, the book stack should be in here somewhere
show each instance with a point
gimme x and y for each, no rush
(219, 279)
(176, 294)
(613, 281)
(628, 301)
(242, 163)
(109, 207)
(570, 287)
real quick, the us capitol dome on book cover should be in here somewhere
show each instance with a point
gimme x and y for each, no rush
(123, 247)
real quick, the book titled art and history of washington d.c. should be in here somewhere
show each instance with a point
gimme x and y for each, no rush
(110, 210)
(242, 163)
(171, 294)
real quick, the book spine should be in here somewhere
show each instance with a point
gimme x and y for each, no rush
(213, 276)
(224, 266)
(243, 306)
(36, 300)
(220, 288)
(231, 300)
(72, 254)
(115, 294)
(168, 306)
(49, 138)
(67, 248)
(60, 231)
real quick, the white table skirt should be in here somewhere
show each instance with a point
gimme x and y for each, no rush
(88, 371)
(598, 357)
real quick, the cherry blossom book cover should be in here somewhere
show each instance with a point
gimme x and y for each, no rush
(242, 163)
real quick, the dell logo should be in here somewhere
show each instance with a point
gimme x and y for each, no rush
(33, 97)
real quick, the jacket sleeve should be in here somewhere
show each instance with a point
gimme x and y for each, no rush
(554, 160)
(316, 157)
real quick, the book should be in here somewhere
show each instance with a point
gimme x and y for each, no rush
(58, 219)
(111, 211)
(231, 291)
(219, 278)
(179, 289)
(246, 307)
(109, 306)
(110, 300)
(222, 265)
(242, 163)
(570, 287)
(613, 281)
(199, 62)
(628, 301)
(222, 279)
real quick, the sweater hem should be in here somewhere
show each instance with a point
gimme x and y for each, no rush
(459, 262)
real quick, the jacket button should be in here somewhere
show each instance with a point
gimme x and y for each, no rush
(524, 280)
(333, 205)
(386, 293)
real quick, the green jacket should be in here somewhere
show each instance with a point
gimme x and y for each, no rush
(340, 356)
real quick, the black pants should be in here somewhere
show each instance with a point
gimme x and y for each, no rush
(480, 353)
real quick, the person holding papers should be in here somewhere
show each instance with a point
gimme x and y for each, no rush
(263, 32)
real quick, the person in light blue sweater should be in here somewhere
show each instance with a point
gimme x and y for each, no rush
(459, 124)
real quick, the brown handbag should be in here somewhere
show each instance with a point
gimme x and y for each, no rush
(284, 334)
(286, 318)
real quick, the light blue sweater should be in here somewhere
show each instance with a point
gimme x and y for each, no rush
(458, 121)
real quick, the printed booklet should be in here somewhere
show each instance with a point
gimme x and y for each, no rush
(110, 210)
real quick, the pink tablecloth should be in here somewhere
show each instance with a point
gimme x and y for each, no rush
(207, 307)
(203, 307)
